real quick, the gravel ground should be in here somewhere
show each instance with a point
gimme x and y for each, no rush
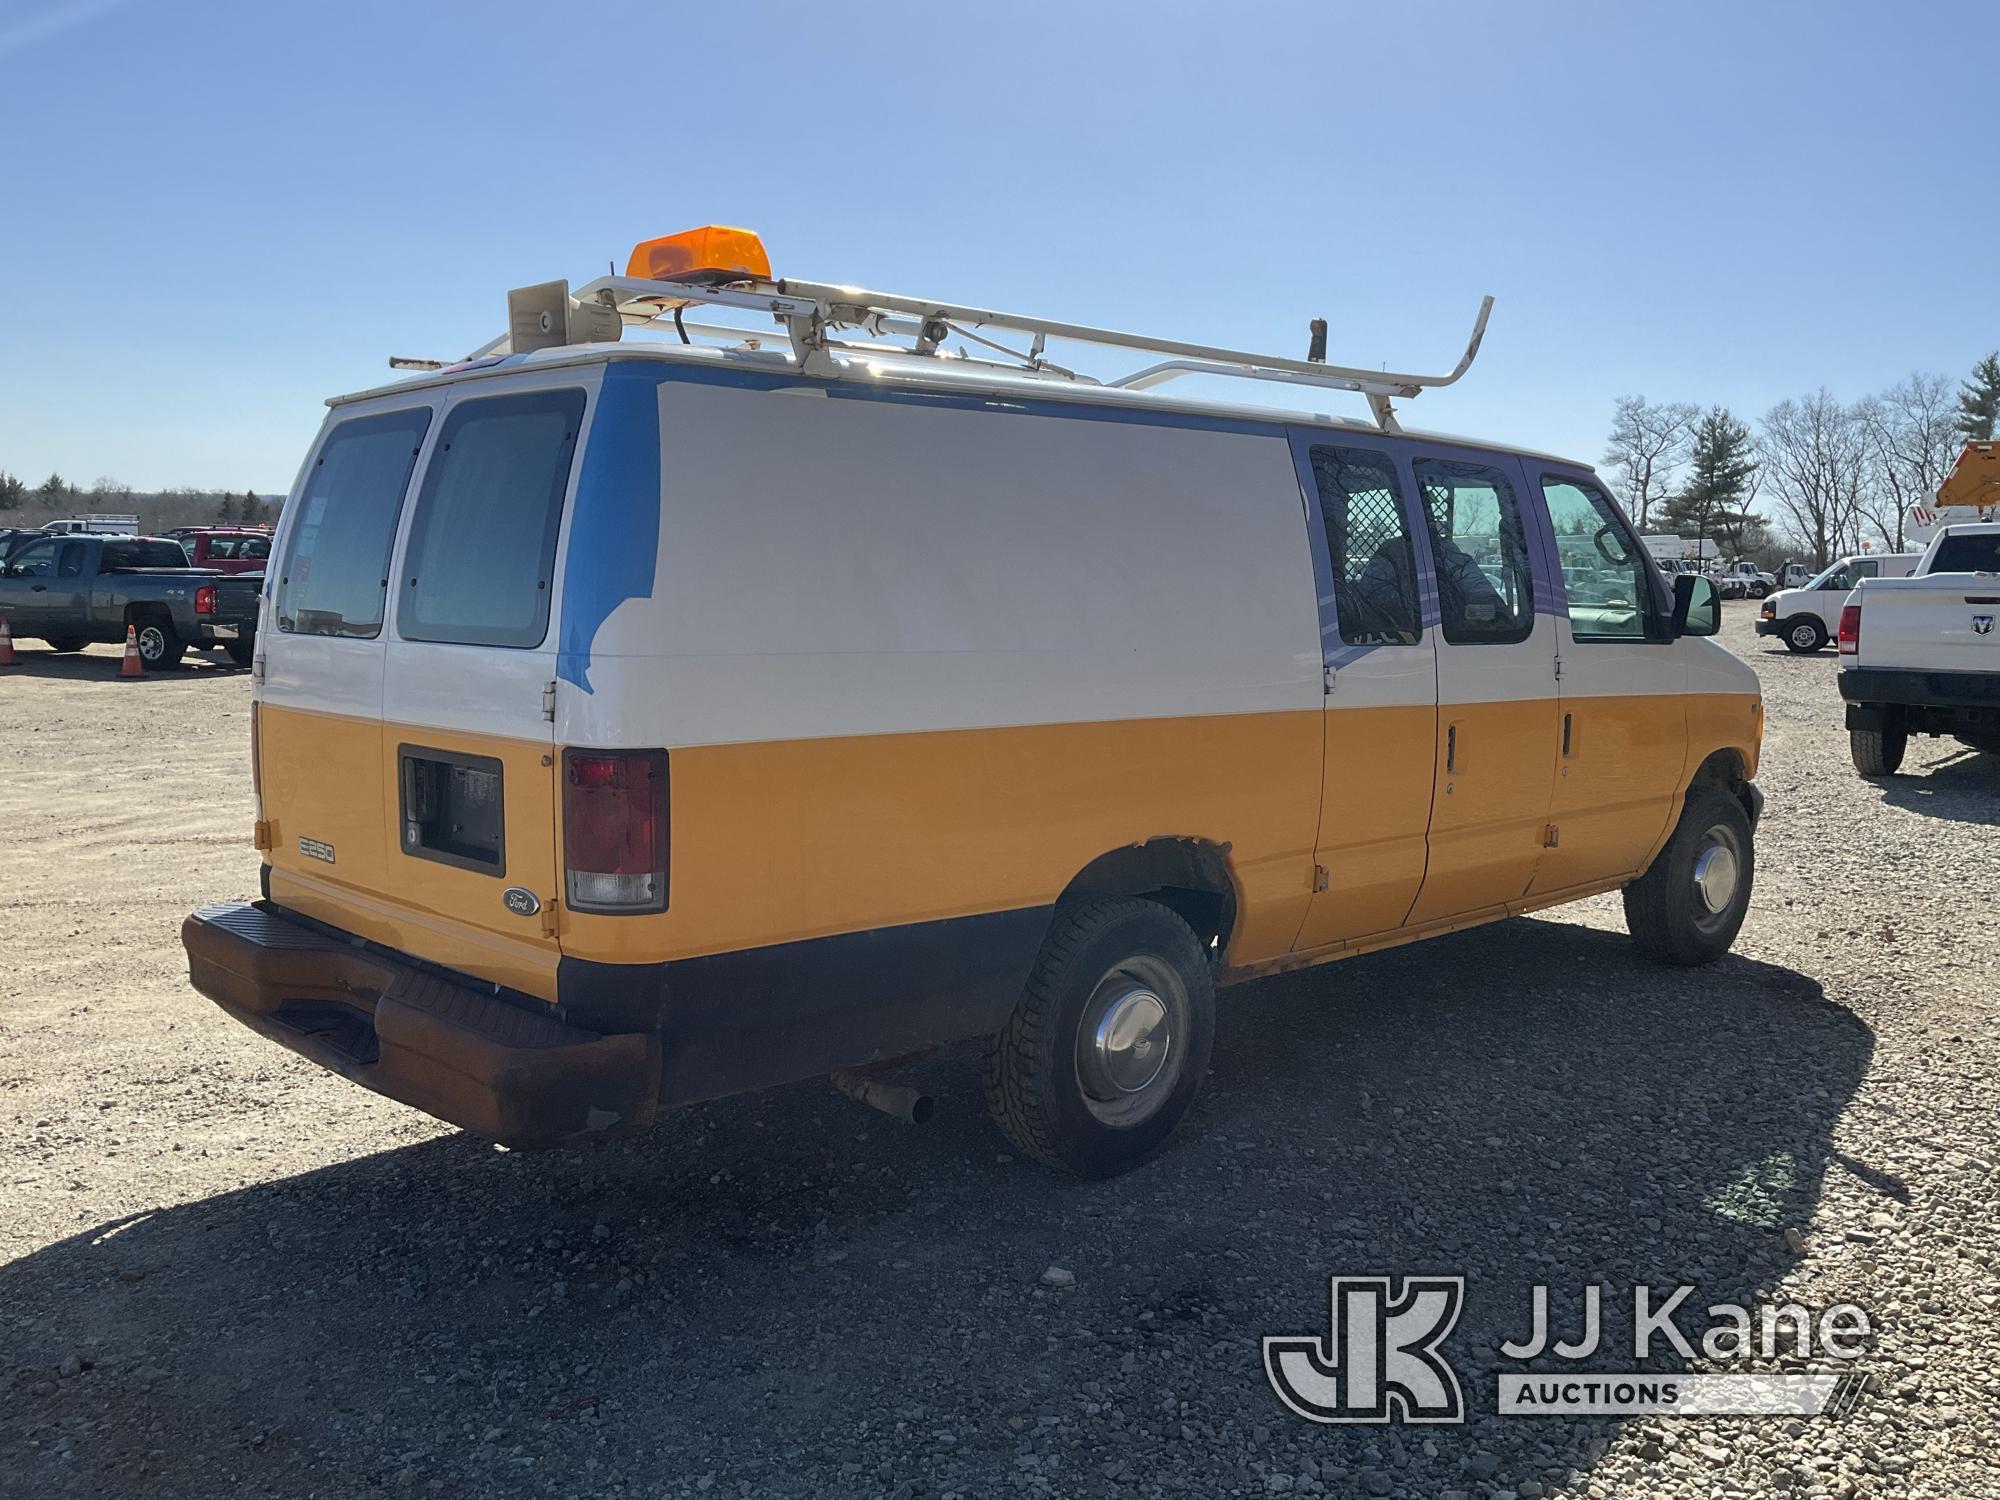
(227, 1272)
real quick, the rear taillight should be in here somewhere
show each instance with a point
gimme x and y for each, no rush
(615, 829)
(1850, 629)
(204, 599)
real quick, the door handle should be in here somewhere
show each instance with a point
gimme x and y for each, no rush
(1566, 729)
(1451, 749)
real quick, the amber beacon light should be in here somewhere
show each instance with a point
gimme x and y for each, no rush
(715, 252)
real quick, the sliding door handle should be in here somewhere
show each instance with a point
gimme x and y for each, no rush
(1451, 749)
(1566, 730)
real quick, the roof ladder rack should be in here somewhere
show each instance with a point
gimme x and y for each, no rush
(812, 313)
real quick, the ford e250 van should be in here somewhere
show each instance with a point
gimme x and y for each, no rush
(641, 722)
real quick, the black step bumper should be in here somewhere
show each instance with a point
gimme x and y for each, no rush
(1925, 702)
(500, 1069)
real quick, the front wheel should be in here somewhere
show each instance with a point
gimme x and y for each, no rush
(1878, 752)
(1804, 635)
(67, 643)
(1689, 905)
(1106, 1050)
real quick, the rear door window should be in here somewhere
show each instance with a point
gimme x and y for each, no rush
(482, 549)
(1968, 553)
(336, 568)
(1479, 550)
(70, 564)
(148, 554)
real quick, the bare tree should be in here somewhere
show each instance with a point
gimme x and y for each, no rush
(1815, 457)
(1649, 443)
(1913, 441)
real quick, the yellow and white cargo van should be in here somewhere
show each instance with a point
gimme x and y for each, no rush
(640, 721)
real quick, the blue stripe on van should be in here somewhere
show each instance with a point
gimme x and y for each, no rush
(614, 537)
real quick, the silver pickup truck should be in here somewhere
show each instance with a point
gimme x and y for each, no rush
(73, 590)
(1921, 655)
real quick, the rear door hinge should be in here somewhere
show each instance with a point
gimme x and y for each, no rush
(260, 834)
(1551, 836)
(549, 701)
(1320, 878)
(551, 918)
(1327, 683)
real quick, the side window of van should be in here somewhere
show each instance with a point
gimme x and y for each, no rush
(482, 546)
(336, 568)
(1604, 571)
(1368, 539)
(1485, 593)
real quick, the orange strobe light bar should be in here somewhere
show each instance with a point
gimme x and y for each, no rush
(713, 253)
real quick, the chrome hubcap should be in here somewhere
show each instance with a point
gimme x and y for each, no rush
(1128, 1053)
(151, 643)
(1132, 1041)
(1715, 876)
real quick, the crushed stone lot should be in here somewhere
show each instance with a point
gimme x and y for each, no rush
(225, 1271)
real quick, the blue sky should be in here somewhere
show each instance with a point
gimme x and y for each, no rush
(218, 214)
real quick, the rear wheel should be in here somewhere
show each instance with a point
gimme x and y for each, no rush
(1107, 1048)
(160, 647)
(1878, 752)
(1804, 635)
(1688, 906)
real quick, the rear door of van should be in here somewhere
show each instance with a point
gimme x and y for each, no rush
(405, 745)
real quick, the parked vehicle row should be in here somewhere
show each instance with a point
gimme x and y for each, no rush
(73, 589)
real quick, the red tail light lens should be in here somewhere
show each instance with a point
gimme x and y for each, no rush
(615, 829)
(204, 599)
(1850, 629)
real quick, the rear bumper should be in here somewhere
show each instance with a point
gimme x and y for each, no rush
(499, 1069)
(1927, 702)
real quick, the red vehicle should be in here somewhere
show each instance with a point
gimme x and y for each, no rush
(227, 549)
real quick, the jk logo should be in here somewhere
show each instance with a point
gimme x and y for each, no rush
(1378, 1362)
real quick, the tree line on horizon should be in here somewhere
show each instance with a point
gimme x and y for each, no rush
(1837, 475)
(55, 499)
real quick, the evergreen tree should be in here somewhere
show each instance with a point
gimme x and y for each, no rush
(1715, 499)
(53, 489)
(225, 509)
(13, 493)
(1979, 400)
(252, 509)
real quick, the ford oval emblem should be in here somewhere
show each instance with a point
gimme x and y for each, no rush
(521, 901)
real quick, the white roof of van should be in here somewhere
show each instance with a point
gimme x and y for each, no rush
(889, 366)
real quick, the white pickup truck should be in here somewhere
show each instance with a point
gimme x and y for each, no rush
(1921, 655)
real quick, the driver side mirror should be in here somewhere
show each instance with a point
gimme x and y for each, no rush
(1697, 609)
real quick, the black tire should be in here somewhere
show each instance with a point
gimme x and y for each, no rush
(1878, 752)
(240, 652)
(160, 645)
(1049, 1072)
(1760, 589)
(68, 643)
(1671, 910)
(1804, 635)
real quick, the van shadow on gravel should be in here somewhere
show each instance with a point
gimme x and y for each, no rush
(795, 1296)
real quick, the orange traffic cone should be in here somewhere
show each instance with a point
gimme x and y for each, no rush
(6, 643)
(131, 667)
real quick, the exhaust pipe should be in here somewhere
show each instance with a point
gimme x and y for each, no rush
(912, 1106)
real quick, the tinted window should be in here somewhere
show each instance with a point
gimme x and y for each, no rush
(1480, 551)
(1604, 569)
(147, 554)
(1368, 541)
(70, 564)
(254, 547)
(336, 567)
(36, 560)
(1863, 570)
(1968, 554)
(483, 544)
(222, 546)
